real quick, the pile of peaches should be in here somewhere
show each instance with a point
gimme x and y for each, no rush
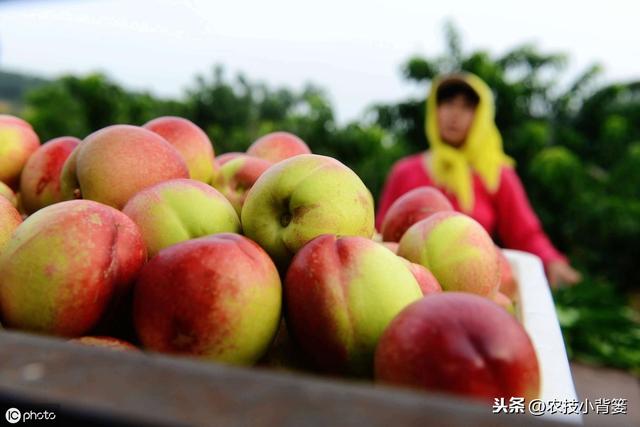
(141, 238)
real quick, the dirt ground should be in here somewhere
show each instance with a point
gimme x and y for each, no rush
(593, 383)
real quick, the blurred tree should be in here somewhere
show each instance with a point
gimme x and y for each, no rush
(77, 106)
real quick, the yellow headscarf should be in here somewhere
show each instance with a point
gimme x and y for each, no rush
(482, 151)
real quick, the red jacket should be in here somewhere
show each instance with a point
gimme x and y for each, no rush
(506, 214)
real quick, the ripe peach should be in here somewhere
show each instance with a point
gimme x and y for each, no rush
(462, 344)
(193, 144)
(40, 179)
(114, 163)
(341, 293)
(178, 210)
(217, 297)
(278, 146)
(10, 218)
(66, 265)
(457, 250)
(17, 142)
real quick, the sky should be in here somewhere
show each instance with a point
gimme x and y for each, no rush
(353, 49)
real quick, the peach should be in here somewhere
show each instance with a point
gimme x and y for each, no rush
(340, 295)
(17, 142)
(456, 249)
(66, 265)
(461, 344)
(114, 163)
(217, 297)
(40, 179)
(410, 208)
(193, 144)
(278, 146)
(10, 219)
(237, 176)
(178, 210)
(301, 198)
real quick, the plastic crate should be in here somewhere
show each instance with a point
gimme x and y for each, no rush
(536, 311)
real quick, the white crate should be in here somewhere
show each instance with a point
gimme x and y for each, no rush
(537, 312)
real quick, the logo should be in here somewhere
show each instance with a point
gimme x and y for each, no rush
(13, 415)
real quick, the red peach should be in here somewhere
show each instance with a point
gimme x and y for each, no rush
(193, 144)
(278, 146)
(217, 297)
(462, 344)
(40, 179)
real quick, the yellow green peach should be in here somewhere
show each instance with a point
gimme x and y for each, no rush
(10, 218)
(456, 249)
(178, 210)
(17, 142)
(65, 265)
(301, 198)
(340, 295)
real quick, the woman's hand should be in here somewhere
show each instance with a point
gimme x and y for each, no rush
(561, 273)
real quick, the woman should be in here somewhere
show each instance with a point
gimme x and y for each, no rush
(467, 163)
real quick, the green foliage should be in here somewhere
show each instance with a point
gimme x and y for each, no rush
(77, 106)
(625, 175)
(598, 327)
